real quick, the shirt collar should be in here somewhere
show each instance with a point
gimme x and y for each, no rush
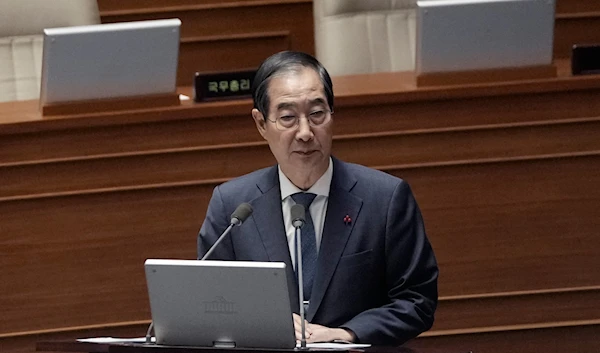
(321, 187)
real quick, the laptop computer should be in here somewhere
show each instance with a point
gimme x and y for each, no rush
(220, 303)
(462, 35)
(109, 60)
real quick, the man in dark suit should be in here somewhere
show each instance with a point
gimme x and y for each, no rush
(370, 273)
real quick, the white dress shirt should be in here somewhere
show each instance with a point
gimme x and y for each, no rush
(318, 207)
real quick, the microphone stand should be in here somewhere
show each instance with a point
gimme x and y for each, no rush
(300, 286)
(227, 230)
(149, 333)
(234, 222)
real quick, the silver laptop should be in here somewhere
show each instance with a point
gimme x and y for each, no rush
(220, 303)
(461, 35)
(110, 60)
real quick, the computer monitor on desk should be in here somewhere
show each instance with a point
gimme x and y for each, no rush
(464, 35)
(220, 303)
(109, 61)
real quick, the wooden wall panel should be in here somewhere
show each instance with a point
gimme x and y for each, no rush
(577, 22)
(132, 170)
(505, 175)
(219, 162)
(89, 248)
(552, 236)
(129, 132)
(575, 28)
(435, 146)
(212, 124)
(78, 260)
(228, 53)
(469, 312)
(126, 6)
(557, 339)
(511, 226)
(575, 6)
(549, 222)
(223, 20)
(223, 36)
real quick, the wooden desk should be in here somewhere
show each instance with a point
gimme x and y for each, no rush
(506, 176)
(74, 346)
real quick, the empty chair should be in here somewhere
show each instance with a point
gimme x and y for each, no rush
(21, 42)
(358, 37)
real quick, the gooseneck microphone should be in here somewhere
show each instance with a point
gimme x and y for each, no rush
(298, 214)
(239, 216)
(241, 213)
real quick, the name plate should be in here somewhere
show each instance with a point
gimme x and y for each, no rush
(223, 85)
(585, 59)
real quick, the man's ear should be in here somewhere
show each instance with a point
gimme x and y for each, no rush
(260, 122)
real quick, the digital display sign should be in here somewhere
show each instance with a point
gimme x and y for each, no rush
(223, 85)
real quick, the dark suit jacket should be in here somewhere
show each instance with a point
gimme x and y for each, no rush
(376, 275)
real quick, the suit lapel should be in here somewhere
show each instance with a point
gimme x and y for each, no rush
(335, 231)
(268, 218)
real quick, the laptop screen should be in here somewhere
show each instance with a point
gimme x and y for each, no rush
(462, 35)
(110, 60)
(220, 303)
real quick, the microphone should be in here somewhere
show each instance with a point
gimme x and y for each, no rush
(298, 214)
(239, 216)
(241, 213)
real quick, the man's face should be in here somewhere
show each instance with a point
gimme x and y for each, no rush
(303, 150)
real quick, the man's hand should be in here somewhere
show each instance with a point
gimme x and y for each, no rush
(319, 333)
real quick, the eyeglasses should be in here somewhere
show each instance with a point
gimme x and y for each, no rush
(289, 122)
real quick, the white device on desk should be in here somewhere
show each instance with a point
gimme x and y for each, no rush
(110, 60)
(220, 303)
(463, 35)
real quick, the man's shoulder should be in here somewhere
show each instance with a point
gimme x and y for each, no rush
(371, 176)
(248, 181)
(374, 185)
